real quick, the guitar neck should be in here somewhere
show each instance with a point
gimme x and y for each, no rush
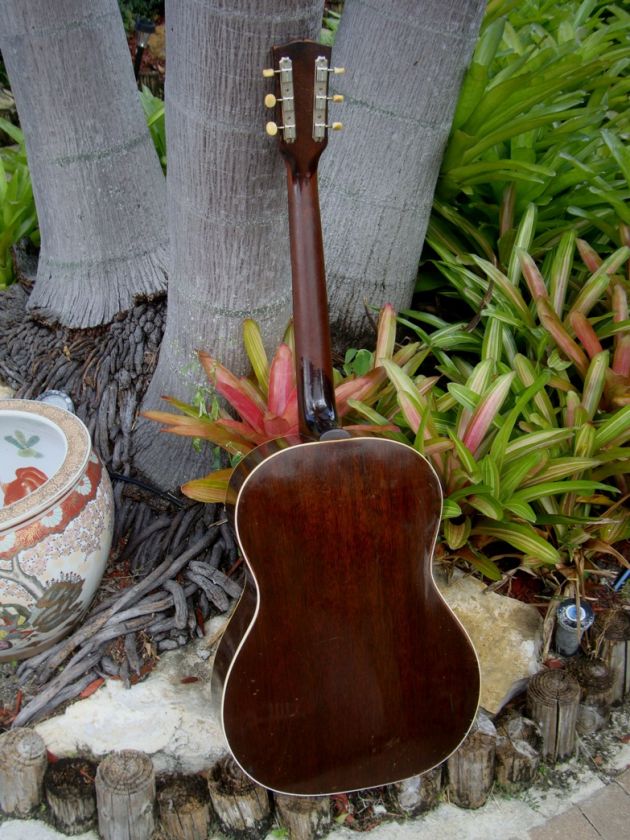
(316, 393)
(301, 70)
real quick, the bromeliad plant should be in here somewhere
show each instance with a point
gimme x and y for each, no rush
(539, 418)
(542, 117)
(516, 488)
(266, 402)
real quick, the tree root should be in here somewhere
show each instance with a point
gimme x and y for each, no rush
(164, 578)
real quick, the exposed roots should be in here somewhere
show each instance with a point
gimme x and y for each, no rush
(167, 572)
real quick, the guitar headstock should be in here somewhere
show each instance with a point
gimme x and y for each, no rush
(301, 71)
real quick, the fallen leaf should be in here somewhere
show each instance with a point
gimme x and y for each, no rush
(91, 688)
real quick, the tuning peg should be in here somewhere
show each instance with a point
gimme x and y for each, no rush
(336, 126)
(273, 128)
(337, 97)
(271, 101)
(338, 71)
(268, 72)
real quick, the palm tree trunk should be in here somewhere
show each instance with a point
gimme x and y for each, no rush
(404, 62)
(98, 185)
(226, 201)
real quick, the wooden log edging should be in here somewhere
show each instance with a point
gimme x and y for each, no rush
(552, 701)
(184, 806)
(241, 806)
(189, 806)
(418, 794)
(125, 796)
(471, 767)
(612, 633)
(517, 753)
(596, 682)
(304, 817)
(23, 762)
(69, 786)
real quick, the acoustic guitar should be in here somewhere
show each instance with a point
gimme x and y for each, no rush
(341, 668)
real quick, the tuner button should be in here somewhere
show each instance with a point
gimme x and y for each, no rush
(270, 100)
(337, 126)
(339, 71)
(271, 128)
(268, 72)
(338, 97)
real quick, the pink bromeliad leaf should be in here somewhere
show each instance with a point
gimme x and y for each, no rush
(242, 430)
(281, 381)
(486, 411)
(241, 395)
(585, 332)
(361, 388)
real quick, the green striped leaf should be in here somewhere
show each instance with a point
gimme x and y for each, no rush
(484, 565)
(456, 533)
(490, 475)
(555, 488)
(500, 447)
(533, 441)
(527, 374)
(558, 468)
(450, 509)
(464, 396)
(509, 292)
(522, 537)
(560, 271)
(487, 505)
(522, 510)
(616, 427)
(594, 383)
(466, 458)
(516, 472)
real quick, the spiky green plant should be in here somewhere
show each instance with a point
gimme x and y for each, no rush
(539, 413)
(540, 120)
(18, 217)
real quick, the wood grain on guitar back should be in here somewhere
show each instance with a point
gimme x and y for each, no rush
(353, 671)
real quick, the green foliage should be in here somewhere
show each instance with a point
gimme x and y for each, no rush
(18, 217)
(541, 120)
(330, 24)
(529, 427)
(153, 108)
(133, 9)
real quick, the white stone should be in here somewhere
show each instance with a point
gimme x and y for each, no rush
(506, 633)
(36, 830)
(171, 720)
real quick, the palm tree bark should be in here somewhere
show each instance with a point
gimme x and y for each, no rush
(97, 181)
(404, 61)
(226, 202)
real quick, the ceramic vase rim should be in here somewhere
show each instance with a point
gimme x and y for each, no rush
(78, 450)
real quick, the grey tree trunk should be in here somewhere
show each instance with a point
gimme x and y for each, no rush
(226, 202)
(227, 206)
(404, 63)
(97, 181)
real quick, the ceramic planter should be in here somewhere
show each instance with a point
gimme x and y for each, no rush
(56, 523)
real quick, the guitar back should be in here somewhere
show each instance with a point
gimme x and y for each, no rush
(342, 667)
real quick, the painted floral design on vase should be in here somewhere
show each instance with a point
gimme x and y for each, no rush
(56, 524)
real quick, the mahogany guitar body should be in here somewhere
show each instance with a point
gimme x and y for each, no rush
(342, 667)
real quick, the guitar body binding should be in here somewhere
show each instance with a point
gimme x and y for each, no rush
(342, 667)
